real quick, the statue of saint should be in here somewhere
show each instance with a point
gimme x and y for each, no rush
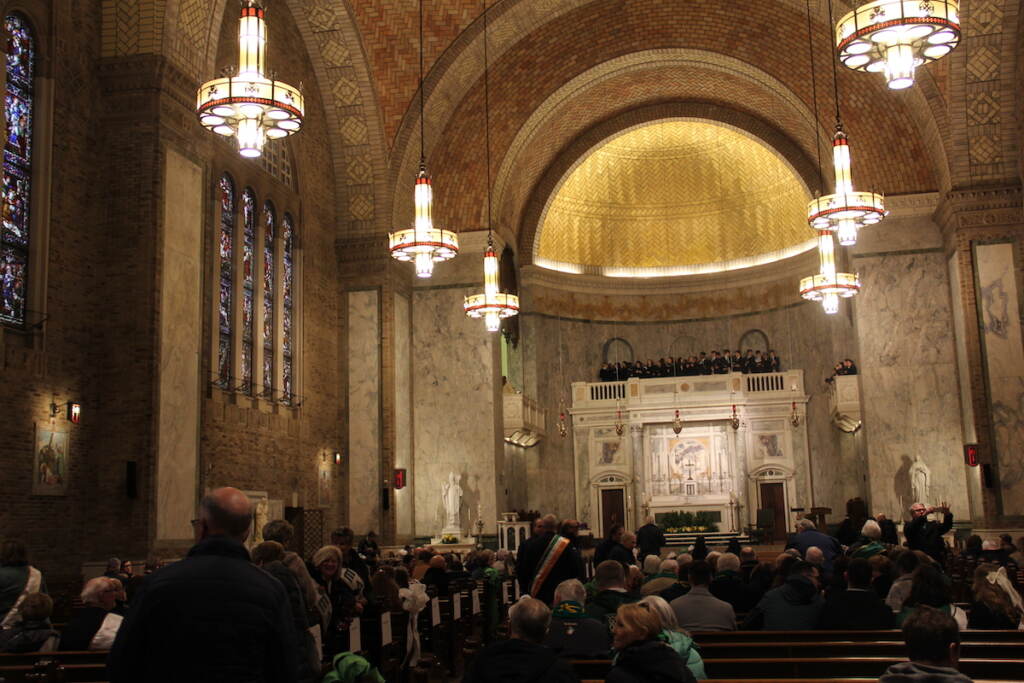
(920, 480)
(451, 495)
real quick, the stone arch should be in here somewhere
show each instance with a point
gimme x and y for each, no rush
(753, 339)
(620, 346)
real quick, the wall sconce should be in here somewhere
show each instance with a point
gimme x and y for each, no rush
(74, 410)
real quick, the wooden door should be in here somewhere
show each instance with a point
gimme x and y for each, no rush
(613, 509)
(773, 497)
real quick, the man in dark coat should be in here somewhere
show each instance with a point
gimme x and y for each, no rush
(858, 607)
(807, 536)
(650, 538)
(622, 552)
(794, 606)
(925, 535)
(611, 593)
(888, 527)
(611, 540)
(532, 557)
(521, 658)
(211, 617)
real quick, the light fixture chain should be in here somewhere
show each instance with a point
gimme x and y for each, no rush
(423, 153)
(814, 97)
(487, 127)
(835, 68)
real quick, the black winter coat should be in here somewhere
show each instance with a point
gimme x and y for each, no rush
(530, 555)
(211, 617)
(518, 661)
(651, 661)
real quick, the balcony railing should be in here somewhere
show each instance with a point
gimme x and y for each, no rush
(701, 389)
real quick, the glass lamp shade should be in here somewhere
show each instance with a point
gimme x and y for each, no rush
(828, 286)
(250, 106)
(492, 305)
(894, 37)
(423, 244)
(846, 210)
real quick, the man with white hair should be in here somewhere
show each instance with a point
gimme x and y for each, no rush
(212, 616)
(925, 535)
(522, 657)
(668, 574)
(622, 552)
(807, 536)
(573, 634)
(870, 543)
(728, 584)
(95, 626)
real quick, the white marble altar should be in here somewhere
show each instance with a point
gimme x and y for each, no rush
(708, 465)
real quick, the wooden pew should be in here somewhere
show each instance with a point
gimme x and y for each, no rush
(969, 635)
(892, 648)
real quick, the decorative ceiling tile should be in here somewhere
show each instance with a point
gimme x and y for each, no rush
(983, 108)
(982, 64)
(353, 130)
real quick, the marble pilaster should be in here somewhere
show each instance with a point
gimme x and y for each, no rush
(364, 434)
(403, 498)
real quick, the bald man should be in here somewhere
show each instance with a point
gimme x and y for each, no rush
(213, 616)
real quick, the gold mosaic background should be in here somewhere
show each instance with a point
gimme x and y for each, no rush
(676, 193)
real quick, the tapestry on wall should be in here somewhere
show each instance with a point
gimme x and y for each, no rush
(50, 461)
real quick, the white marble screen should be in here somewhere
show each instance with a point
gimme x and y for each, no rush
(1004, 362)
(364, 410)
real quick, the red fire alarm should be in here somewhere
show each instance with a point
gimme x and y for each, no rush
(971, 454)
(399, 479)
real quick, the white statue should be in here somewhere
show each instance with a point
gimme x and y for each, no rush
(451, 494)
(920, 480)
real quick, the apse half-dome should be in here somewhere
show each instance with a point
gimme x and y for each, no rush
(675, 197)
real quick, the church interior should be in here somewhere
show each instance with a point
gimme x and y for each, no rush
(189, 302)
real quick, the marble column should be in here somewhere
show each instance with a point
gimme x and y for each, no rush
(636, 440)
(984, 235)
(364, 410)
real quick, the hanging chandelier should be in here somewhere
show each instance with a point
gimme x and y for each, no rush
(423, 244)
(491, 305)
(845, 211)
(248, 105)
(897, 36)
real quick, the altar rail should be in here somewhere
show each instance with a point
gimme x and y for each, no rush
(730, 388)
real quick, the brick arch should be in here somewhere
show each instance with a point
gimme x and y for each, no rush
(567, 159)
(523, 33)
(694, 80)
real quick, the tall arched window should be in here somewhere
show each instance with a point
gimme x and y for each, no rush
(269, 326)
(227, 237)
(248, 282)
(288, 262)
(17, 169)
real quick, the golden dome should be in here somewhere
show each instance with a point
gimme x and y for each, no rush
(672, 198)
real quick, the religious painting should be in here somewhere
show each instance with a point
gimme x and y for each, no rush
(607, 454)
(607, 445)
(689, 458)
(50, 462)
(323, 483)
(768, 446)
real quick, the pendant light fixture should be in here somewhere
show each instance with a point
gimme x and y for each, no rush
(828, 285)
(423, 244)
(491, 305)
(845, 211)
(897, 36)
(248, 105)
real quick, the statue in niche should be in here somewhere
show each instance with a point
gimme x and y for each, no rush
(260, 519)
(920, 480)
(451, 494)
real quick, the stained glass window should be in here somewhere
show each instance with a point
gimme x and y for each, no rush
(269, 224)
(287, 260)
(17, 169)
(248, 261)
(227, 236)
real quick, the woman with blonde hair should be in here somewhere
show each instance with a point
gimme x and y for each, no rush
(996, 605)
(677, 638)
(640, 655)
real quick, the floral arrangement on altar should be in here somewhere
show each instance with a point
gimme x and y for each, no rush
(449, 539)
(687, 522)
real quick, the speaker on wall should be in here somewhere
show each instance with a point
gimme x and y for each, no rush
(131, 485)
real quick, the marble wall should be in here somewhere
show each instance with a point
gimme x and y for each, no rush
(457, 418)
(404, 499)
(999, 302)
(909, 375)
(180, 338)
(364, 410)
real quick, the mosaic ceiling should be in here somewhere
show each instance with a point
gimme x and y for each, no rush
(673, 198)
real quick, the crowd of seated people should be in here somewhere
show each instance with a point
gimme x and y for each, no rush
(640, 607)
(714, 363)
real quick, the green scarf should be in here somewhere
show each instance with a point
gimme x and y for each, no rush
(349, 668)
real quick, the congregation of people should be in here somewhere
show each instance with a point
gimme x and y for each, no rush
(715, 363)
(228, 613)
